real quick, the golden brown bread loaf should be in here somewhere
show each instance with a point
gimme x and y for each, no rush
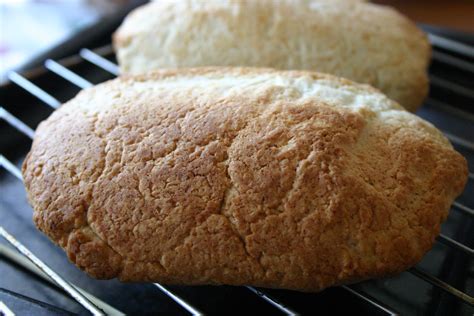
(292, 180)
(360, 41)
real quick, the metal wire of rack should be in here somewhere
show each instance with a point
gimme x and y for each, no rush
(97, 58)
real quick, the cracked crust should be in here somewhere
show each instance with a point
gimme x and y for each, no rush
(364, 42)
(292, 180)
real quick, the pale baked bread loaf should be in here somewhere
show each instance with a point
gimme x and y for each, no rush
(360, 41)
(292, 180)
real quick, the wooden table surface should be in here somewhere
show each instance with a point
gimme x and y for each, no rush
(455, 14)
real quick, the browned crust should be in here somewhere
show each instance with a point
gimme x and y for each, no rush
(196, 188)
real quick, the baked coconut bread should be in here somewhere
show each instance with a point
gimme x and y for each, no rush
(293, 180)
(364, 42)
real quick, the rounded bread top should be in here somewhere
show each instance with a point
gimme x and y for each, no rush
(296, 180)
(360, 41)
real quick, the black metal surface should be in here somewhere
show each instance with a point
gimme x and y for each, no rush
(23, 305)
(404, 293)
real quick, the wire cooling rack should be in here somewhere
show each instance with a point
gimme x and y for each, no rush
(451, 60)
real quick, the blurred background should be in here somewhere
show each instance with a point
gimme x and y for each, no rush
(455, 14)
(30, 27)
